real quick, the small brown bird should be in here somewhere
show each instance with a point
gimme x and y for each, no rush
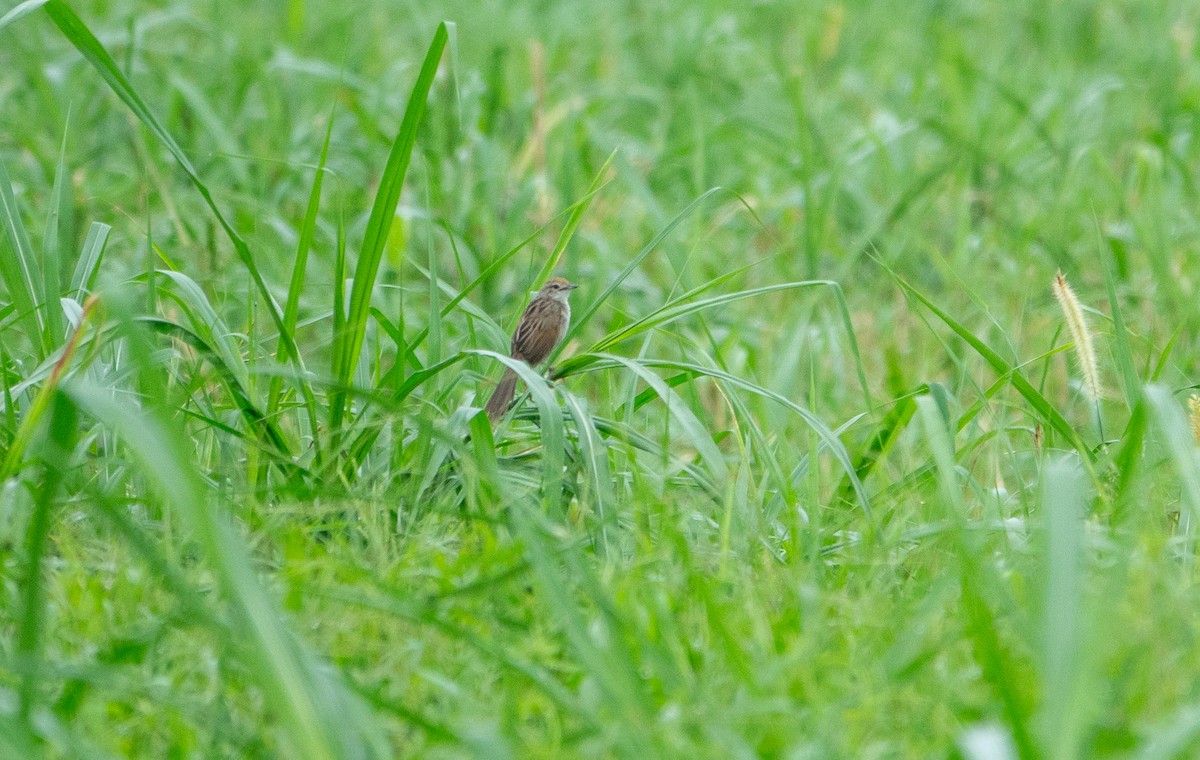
(542, 326)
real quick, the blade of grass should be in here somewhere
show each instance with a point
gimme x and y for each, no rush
(41, 401)
(19, 11)
(291, 309)
(349, 342)
(63, 432)
(822, 430)
(264, 427)
(1180, 445)
(564, 238)
(89, 261)
(51, 251)
(1123, 353)
(20, 268)
(1066, 705)
(980, 619)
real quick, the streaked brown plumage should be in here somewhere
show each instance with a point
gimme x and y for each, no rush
(542, 326)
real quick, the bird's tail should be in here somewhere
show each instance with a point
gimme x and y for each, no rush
(498, 404)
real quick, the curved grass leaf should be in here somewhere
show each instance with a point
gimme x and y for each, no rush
(585, 314)
(19, 11)
(564, 237)
(823, 431)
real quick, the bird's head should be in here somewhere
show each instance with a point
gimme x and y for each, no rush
(557, 288)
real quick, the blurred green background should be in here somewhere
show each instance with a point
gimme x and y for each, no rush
(825, 481)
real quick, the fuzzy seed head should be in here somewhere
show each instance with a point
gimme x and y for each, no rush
(1077, 325)
(1194, 416)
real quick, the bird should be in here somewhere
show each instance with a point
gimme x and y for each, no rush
(542, 327)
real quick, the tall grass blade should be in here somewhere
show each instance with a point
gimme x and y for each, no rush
(826, 435)
(977, 604)
(20, 270)
(62, 433)
(1181, 446)
(348, 343)
(550, 419)
(1130, 383)
(1065, 706)
(291, 309)
(52, 250)
(564, 237)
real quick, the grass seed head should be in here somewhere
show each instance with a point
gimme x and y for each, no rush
(1077, 325)
(1194, 415)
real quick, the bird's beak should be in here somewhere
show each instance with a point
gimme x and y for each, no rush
(572, 287)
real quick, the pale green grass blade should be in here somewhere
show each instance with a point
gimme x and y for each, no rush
(585, 315)
(551, 421)
(89, 261)
(1067, 708)
(56, 370)
(1123, 353)
(308, 229)
(1180, 445)
(337, 401)
(233, 376)
(205, 321)
(695, 432)
(291, 308)
(827, 436)
(19, 268)
(58, 451)
(19, 11)
(980, 618)
(1130, 463)
(434, 313)
(594, 453)
(675, 311)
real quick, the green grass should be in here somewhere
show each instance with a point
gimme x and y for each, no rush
(813, 476)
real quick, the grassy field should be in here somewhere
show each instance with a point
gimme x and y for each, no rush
(828, 467)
